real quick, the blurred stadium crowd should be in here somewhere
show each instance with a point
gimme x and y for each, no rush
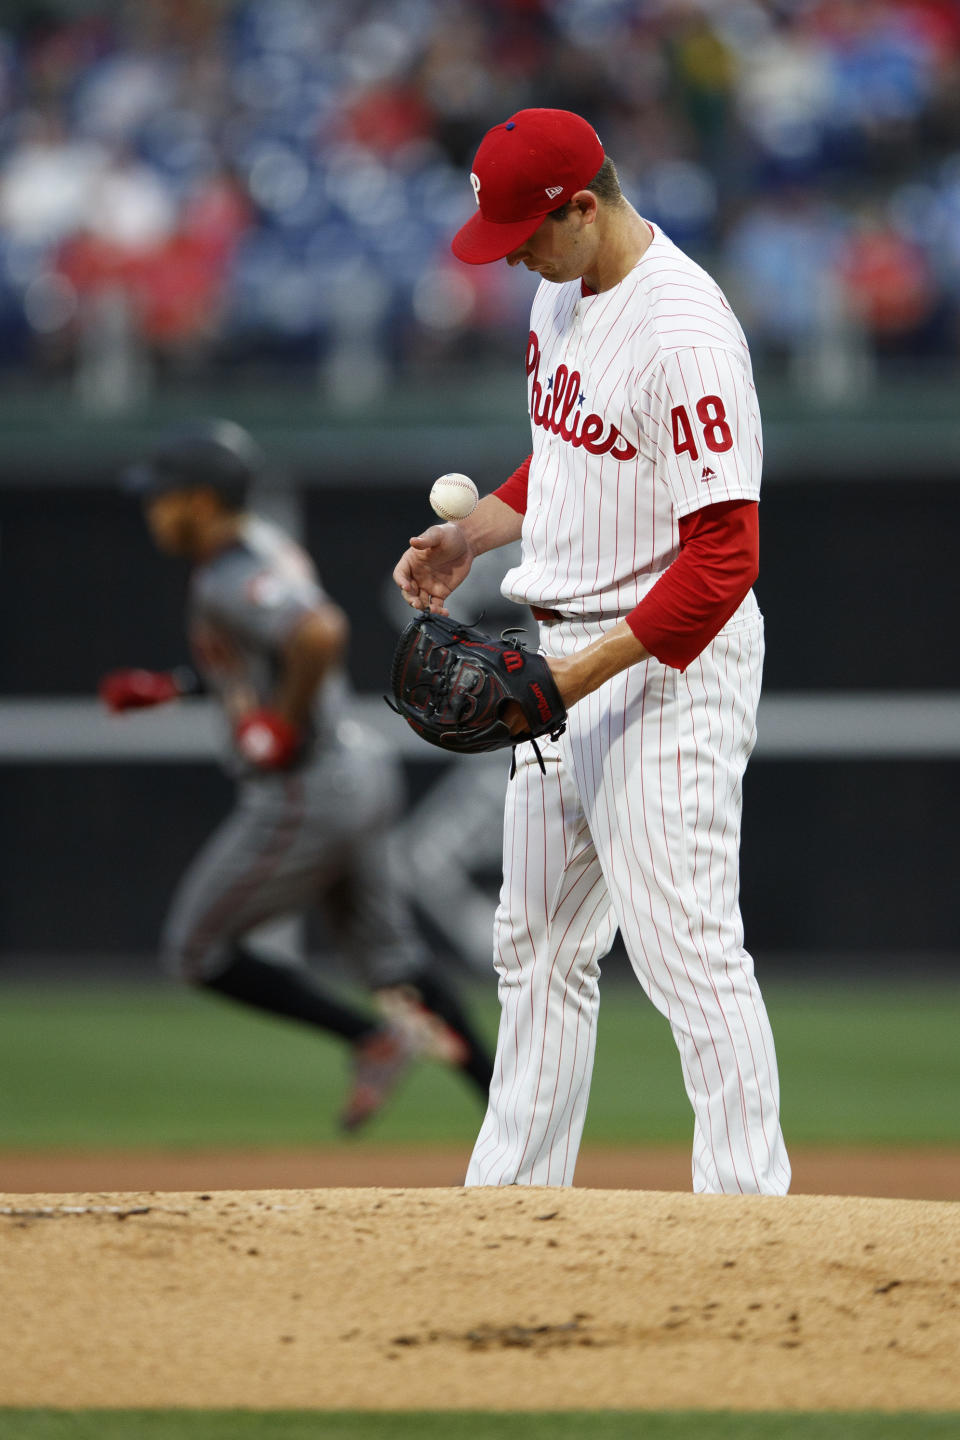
(225, 188)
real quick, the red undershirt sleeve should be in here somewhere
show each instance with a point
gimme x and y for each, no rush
(696, 595)
(513, 492)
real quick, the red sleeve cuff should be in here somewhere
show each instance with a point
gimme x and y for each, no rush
(696, 596)
(513, 492)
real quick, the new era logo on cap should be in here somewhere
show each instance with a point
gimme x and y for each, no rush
(510, 179)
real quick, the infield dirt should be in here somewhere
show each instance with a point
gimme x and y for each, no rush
(921, 1173)
(482, 1299)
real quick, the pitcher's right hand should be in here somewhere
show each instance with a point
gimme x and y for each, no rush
(435, 564)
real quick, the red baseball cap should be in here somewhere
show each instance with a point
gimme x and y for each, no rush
(526, 167)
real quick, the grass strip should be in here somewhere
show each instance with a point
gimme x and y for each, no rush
(144, 1067)
(473, 1425)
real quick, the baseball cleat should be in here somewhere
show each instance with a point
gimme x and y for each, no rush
(379, 1064)
(427, 1032)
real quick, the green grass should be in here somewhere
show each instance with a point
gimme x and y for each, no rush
(468, 1425)
(89, 1067)
(877, 1065)
(866, 1065)
(152, 1066)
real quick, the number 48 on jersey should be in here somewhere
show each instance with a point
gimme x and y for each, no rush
(713, 421)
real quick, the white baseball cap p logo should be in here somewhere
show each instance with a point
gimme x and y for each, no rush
(475, 182)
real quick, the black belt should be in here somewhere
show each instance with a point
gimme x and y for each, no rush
(550, 617)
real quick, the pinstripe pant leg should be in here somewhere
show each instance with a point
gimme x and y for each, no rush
(553, 925)
(659, 760)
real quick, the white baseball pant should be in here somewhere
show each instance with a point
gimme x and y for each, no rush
(636, 824)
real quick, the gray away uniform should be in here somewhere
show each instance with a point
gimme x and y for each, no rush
(315, 833)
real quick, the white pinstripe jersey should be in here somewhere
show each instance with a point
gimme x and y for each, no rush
(643, 410)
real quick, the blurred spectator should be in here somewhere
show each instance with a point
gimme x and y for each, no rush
(705, 69)
(274, 182)
(46, 180)
(777, 256)
(889, 283)
(169, 264)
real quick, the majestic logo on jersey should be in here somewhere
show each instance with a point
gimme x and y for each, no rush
(708, 474)
(558, 409)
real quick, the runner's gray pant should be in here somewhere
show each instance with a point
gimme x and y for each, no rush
(316, 836)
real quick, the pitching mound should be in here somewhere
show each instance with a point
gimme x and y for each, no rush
(482, 1299)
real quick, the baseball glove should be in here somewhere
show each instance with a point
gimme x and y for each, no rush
(452, 683)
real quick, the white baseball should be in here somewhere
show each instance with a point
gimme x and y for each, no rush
(453, 497)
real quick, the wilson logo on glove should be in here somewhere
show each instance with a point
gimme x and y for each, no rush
(543, 704)
(460, 689)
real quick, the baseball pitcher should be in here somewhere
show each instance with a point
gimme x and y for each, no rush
(637, 515)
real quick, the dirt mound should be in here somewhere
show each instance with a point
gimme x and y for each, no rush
(486, 1299)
